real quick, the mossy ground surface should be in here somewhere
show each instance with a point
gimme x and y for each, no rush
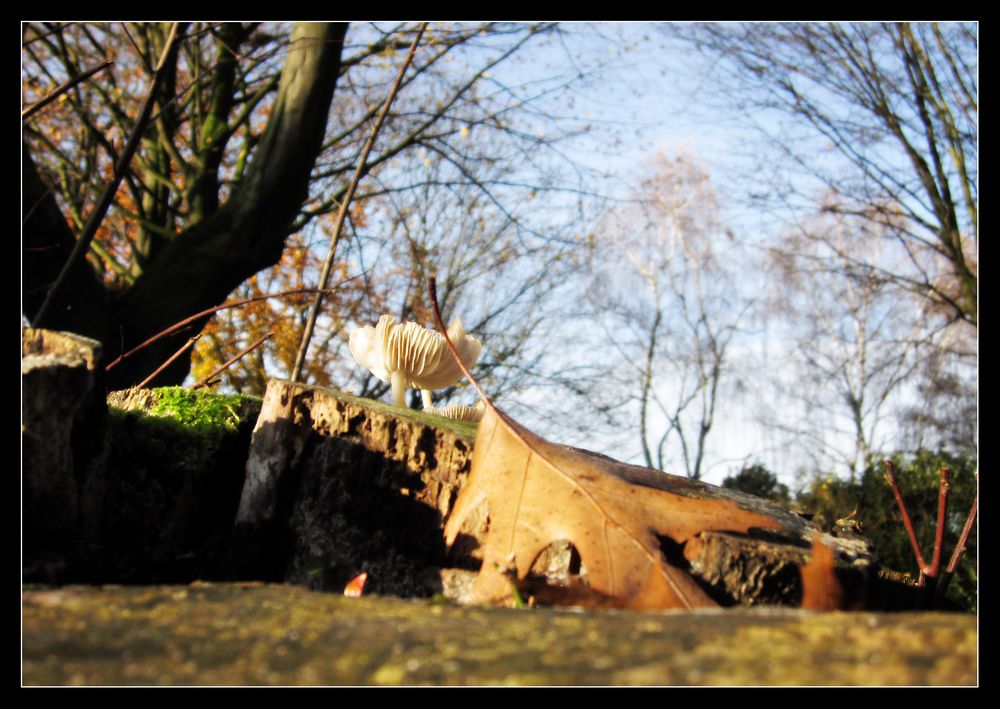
(232, 634)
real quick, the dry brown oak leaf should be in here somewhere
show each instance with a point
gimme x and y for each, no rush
(538, 493)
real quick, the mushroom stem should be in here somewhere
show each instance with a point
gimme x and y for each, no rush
(398, 388)
(428, 402)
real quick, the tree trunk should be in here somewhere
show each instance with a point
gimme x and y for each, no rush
(203, 264)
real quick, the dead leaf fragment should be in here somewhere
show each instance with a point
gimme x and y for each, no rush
(355, 588)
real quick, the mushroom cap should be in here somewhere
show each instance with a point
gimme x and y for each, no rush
(420, 354)
(459, 412)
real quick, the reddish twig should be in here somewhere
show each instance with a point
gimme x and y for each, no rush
(61, 89)
(121, 167)
(964, 539)
(960, 547)
(233, 304)
(204, 380)
(935, 566)
(300, 356)
(890, 477)
(432, 292)
(166, 364)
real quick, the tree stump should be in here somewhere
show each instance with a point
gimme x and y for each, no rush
(336, 485)
(63, 418)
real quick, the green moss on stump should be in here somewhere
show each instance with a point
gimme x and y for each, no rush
(203, 412)
(199, 409)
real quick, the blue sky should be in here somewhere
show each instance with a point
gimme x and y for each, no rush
(653, 96)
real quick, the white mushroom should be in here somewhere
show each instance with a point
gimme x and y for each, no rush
(410, 356)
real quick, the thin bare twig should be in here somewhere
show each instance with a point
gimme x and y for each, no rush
(935, 566)
(232, 304)
(36, 205)
(890, 477)
(61, 89)
(135, 46)
(960, 547)
(345, 203)
(187, 345)
(432, 292)
(205, 380)
(121, 167)
(51, 30)
(956, 555)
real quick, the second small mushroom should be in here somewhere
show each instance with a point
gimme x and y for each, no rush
(410, 356)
